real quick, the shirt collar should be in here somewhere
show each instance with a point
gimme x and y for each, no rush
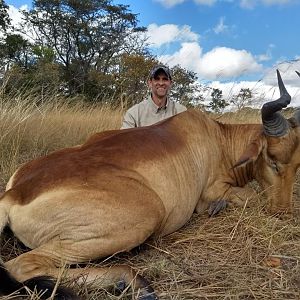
(155, 108)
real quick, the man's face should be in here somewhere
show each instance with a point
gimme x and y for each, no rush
(160, 84)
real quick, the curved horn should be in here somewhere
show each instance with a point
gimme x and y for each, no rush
(274, 123)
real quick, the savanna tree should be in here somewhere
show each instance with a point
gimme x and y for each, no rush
(217, 103)
(185, 88)
(4, 17)
(15, 50)
(86, 35)
(242, 99)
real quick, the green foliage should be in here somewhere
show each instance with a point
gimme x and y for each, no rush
(185, 88)
(4, 17)
(85, 35)
(217, 104)
(42, 79)
(132, 76)
(43, 54)
(99, 86)
(15, 49)
(30, 68)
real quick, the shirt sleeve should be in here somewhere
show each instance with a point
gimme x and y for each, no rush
(180, 108)
(128, 120)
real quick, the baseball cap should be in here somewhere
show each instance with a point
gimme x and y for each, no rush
(159, 68)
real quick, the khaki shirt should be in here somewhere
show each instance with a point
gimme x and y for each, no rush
(147, 113)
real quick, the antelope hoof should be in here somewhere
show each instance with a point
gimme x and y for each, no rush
(216, 206)
(151, 296)
(146, 292)
(120, 286)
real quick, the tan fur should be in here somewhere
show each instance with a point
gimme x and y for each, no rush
(122, 187)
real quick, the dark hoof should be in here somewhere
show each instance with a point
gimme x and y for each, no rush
(144, 296)
(120, 287)
(216, 206)
(146, 292)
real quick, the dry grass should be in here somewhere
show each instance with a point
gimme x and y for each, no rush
(241, 254)
(28, 130)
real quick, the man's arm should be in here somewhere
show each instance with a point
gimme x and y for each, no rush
(128, 121)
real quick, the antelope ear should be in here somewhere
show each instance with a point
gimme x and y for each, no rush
(297, 116)
(251, 153)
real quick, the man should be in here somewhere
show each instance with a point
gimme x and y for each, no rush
(157, 106)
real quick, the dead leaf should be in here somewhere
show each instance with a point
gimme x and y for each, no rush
(272, 262)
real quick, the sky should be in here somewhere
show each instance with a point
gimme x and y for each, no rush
(229, 44)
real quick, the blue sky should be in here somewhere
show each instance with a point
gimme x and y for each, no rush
(225, 42)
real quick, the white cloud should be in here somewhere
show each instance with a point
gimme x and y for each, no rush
(205, 2)
(220, 62)
(227, 62)
(275, 2)
(266, 56)
(168, 33)
(169, 3)
(221, 27)
(188, 56)
(172, 3)
(17, 21)
(249, 4)
(15, 14)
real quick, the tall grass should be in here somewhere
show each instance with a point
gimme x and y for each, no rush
(29, 130)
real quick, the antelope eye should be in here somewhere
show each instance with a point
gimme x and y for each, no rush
(275, 167)
(278, 167)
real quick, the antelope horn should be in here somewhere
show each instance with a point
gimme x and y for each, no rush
(274, 123)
